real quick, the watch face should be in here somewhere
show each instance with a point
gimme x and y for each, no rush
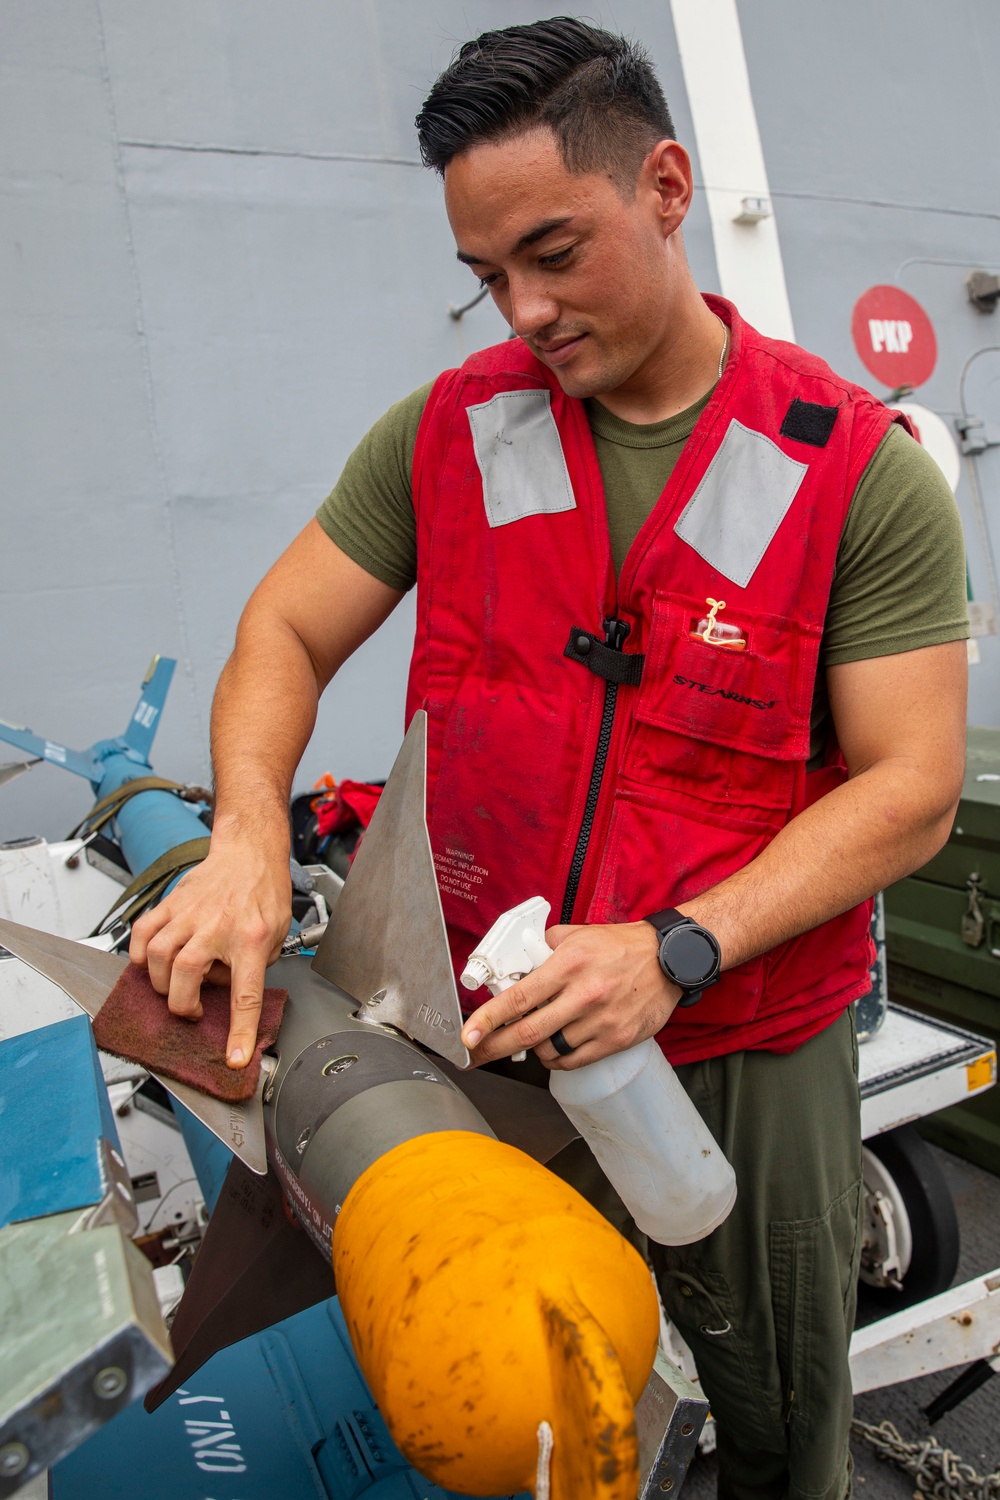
(690, 956)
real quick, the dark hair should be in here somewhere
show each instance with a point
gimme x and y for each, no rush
(595, 90)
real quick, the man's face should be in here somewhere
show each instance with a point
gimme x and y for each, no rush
(580, 272)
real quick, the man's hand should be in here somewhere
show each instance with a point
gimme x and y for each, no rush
(603, 988)
(224, 922)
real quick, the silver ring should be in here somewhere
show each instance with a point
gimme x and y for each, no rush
(560, 1043)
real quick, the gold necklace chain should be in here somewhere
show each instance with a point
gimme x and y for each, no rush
(725, 346)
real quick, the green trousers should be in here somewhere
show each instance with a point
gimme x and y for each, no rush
(767, 1301)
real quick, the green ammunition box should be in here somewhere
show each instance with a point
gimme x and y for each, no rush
(943, 941)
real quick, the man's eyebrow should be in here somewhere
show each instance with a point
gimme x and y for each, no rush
(531, 238)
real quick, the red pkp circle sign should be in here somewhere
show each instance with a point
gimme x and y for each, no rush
(894, 337)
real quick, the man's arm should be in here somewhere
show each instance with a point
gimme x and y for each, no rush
(900, 722)
(312, 610)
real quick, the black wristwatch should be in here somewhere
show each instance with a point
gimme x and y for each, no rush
(689, 955)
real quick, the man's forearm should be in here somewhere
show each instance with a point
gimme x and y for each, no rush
(314, 608)
(859, 838)
(263, 714)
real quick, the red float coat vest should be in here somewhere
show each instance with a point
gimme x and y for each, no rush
(616, 782)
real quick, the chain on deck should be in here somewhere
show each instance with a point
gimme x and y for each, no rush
(938, 1471)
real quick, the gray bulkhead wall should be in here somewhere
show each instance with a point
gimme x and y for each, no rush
(881, 131)
(221, 261)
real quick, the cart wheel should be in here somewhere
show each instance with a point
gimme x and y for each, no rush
(909, 1245)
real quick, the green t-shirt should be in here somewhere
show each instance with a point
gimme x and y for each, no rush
(899, 581)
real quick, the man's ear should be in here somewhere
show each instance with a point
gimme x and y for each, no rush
(666, 172)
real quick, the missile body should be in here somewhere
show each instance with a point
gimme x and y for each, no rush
(343, 1094)
(485, 1297)
(482, 1294)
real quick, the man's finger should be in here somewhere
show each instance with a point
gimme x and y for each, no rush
(531, 1031)
(162, 951)
(245, 1007)
(187, 972)
(533, 990)
(587, 1052)
(145, 929)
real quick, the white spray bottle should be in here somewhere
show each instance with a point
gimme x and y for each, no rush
(648, 1138)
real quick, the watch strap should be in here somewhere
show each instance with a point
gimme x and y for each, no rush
(664, 920)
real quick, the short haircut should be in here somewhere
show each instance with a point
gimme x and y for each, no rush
(596, 91)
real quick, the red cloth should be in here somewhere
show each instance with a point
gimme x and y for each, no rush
(344, 803)
(706, 760)
(134, 1022)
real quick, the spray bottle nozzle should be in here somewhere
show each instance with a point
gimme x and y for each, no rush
(514, 945)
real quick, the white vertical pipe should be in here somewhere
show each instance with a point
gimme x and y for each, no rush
(748, 256)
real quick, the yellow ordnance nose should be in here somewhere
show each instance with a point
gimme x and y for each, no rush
(484, 1296)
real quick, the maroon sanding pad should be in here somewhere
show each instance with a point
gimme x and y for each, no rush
(134, 1023)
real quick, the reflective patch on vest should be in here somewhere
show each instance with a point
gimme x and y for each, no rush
(520, 457)
(741, 501)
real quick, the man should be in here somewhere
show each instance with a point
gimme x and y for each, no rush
(690, 638)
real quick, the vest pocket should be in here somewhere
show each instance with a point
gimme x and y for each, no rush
(713, 765)
(754, 699)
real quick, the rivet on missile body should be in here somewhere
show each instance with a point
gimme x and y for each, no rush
(14, 1458)
(666, 1484)
(109, 1382)
(338, 1065)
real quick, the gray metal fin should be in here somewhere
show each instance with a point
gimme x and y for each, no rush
(87, 975)
(10, 770)
(386, 943)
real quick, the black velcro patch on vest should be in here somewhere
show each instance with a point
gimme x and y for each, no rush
(808, 422)
(614, 666)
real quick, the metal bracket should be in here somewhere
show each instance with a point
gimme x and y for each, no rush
(669, 1416)
(983, 288)
(975, 436)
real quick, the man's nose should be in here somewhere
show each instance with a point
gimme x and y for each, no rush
(532, 308)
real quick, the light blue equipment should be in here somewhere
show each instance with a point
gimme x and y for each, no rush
(82, 1335)
(60, 1158)
(148, 826)
(151, 823)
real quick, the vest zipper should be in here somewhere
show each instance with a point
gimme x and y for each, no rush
(615, 635)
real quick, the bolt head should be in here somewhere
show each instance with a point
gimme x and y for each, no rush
(109, 1382)
(14, 1459)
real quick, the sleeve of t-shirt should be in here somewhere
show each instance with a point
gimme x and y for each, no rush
(369, 511)
(899, 583)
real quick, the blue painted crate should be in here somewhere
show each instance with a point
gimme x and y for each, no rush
(283, 1414)
(54, 1114)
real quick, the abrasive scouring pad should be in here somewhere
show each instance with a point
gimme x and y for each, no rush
(134, 1023)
